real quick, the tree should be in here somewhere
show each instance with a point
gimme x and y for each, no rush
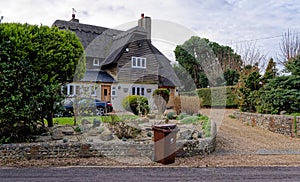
(205, 60)
(251, 55)
(41, 59)
(248, 88)
(293, 66)
(270, 72)
(289, 46)
(280, 94)
(231, 77)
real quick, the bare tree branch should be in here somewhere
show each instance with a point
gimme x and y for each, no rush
(251, 55)
(289, 46)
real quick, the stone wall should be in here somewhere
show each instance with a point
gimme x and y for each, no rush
(186, 148)
(282, 124)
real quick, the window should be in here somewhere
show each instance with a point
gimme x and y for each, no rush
(96, 62)
(93, 91)
(113, 91)
(138, 62)
(138, 90)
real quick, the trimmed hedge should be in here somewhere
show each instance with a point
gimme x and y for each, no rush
(217, 96)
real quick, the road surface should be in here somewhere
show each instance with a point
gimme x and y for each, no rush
(66, 174)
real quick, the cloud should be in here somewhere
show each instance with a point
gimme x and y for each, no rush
(224, 21)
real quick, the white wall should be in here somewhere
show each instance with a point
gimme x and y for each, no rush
(125, 89)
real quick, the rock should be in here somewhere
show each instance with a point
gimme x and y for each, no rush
(282, 112)
(96, 123)
(43, 139)
(106, 135)
(68, 132)
(151, 116)
(85, 122)
(56, 135)
(185, 135)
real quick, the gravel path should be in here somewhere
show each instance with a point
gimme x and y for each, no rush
(238, 144)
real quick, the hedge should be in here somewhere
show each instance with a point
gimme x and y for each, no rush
(217, 96)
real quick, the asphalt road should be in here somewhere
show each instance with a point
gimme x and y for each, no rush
(150, 174)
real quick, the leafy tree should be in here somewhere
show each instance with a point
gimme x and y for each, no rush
(35, 62)
(270, 72)
(280, 94)
(205, 60)
(248, 88)
(293, 66)
(231, 77)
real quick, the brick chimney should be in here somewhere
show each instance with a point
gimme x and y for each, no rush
(145, 22)
(73, 16)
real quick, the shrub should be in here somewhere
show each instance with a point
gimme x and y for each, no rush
(206, 128)
(124, 131)
(190, 120)
(136, 104)
(164, 93)
(183, 115)
(170, 115)
(219, 97)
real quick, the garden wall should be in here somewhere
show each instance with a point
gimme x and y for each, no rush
(186, 148)
(282, 124)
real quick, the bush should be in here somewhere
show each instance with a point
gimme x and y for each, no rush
(215, 97)
(164, 93)
(136, 104)
(280, 94)
(190, 120)
(206, 128)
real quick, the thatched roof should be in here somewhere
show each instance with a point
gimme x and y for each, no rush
(109, 44)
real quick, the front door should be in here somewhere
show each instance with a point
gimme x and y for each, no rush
(105, 92)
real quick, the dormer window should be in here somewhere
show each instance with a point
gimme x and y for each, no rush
(138, 62)
(96, 62)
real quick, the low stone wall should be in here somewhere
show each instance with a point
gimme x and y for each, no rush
(282, 124)
(186, 148)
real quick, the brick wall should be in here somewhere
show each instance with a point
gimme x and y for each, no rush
(281, 124)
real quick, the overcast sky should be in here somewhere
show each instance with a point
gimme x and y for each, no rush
(228, 22)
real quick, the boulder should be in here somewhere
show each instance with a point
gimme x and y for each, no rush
(106, 135)
(185, 135)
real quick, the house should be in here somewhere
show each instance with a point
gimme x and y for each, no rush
(120, 63)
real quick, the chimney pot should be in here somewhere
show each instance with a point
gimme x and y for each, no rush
(142, 15)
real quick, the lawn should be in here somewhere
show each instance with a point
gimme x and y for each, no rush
(104, 119)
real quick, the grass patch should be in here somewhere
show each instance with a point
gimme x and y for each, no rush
(295, 114)
(104, 119)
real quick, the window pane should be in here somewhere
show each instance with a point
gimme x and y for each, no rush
(71, 89)
(142, 91)
(133, 62)
(138, 62)
(143, 63)
(138, 91)
(133, 90)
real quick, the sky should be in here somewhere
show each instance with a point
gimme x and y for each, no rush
(227, 22)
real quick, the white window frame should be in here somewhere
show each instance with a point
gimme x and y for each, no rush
(138, 62)
(141, 90)
(113, 91)
(96, 62)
